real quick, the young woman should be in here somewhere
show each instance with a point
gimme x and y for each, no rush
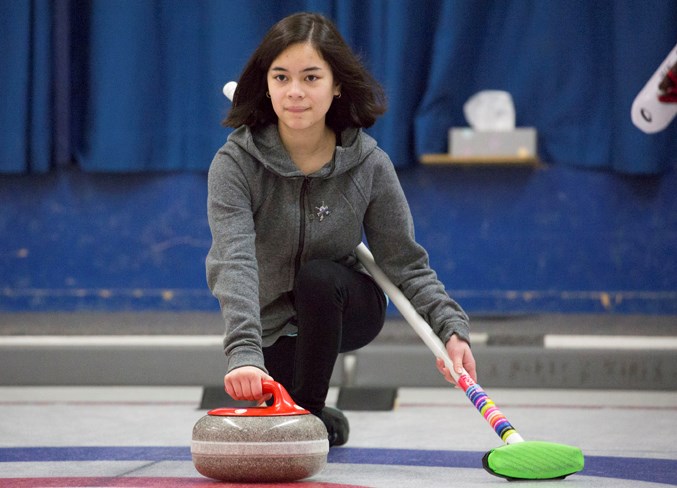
(290, 195)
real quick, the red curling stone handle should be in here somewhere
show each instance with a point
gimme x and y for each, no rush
(283, 405)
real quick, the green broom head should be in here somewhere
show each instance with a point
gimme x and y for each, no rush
(533, 460)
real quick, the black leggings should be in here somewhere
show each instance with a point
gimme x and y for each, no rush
(337, 310)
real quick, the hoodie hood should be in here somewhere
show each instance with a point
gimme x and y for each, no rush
(352, 151)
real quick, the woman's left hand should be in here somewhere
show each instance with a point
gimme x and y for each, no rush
(461, 356)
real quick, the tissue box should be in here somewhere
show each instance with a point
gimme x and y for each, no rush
(519, 143)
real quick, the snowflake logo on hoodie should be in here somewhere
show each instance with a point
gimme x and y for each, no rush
(322, 211)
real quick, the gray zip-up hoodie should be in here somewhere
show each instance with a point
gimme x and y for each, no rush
(267, 218)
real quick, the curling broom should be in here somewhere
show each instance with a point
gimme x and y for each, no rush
(517, 459)
(653, 109)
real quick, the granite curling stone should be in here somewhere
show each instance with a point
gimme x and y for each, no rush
(279, 443)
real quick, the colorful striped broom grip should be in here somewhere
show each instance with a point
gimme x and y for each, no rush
(473, 391)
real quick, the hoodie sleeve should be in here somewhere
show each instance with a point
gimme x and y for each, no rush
(232, 271)
(389, 229)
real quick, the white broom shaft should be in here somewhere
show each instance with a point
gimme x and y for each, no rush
(509, 435)
(406, 308)
(229, 90)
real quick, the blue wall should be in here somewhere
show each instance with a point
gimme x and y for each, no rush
(511, 240)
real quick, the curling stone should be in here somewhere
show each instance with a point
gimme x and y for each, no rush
(279, 443)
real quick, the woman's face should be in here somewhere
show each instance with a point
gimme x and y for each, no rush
(301, 87)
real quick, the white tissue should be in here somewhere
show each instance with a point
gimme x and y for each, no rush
(490, 110)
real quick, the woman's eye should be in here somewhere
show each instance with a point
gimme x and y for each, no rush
(280, 77)
(312, 78)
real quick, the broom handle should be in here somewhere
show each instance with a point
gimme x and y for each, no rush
(473, 391)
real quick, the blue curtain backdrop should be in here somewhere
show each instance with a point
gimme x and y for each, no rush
(26, 129)
(135, 85)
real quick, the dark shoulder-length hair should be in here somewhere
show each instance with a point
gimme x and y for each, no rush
(362, 99)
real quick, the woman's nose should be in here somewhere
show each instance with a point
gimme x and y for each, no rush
(295, 90)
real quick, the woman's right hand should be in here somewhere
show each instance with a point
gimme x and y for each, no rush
(245, 384)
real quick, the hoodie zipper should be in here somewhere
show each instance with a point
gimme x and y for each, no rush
(302, 226)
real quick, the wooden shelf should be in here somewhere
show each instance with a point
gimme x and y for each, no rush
(442, 159)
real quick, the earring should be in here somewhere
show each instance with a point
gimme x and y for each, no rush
(338, 96)
(268, 94)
